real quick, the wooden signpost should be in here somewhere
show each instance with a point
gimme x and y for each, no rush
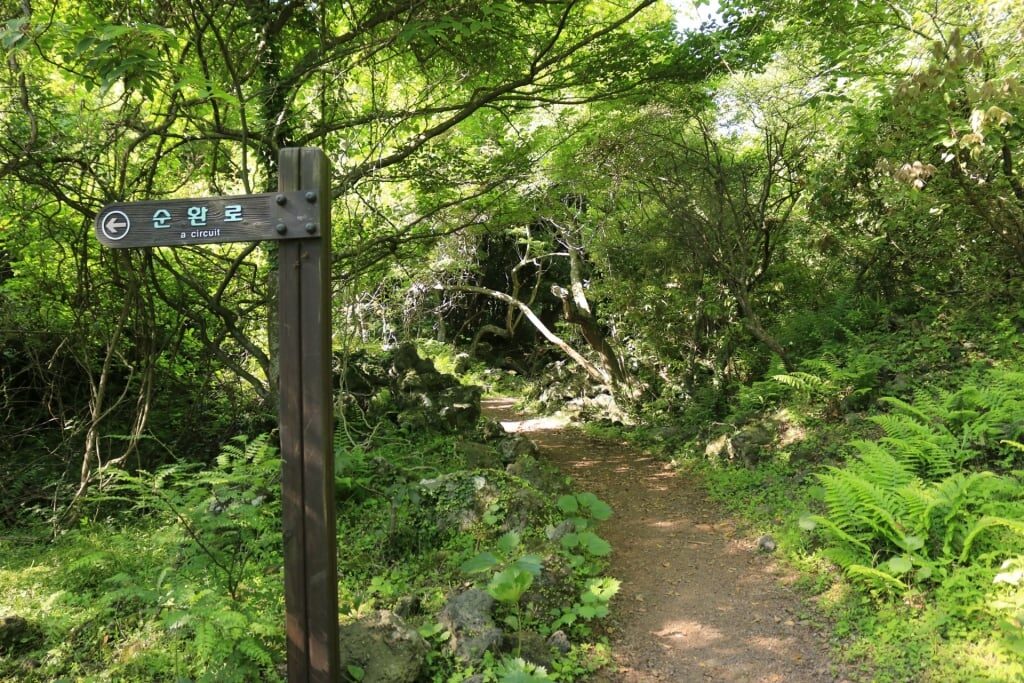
(299, 215)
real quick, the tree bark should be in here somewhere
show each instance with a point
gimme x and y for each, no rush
(752, 323)
(577, 311)
(594, 371)
(486, 329)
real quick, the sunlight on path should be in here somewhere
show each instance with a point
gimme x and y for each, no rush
(698, 602)
(507, 408)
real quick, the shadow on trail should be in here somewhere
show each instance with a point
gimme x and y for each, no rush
(698, 602)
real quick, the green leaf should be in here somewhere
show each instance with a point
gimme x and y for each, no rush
(356, 672)
(510, 584)
(900, 564)
(600, 510)
(807, 522)
(481, 563)
(529, 563)
(13, 32)
(594, 544)
(570, 540)
(913, 542)
(568, 504)
(601, 590)
(430, 629)
(509, 542)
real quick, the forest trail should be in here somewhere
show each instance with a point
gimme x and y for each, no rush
(698, 601)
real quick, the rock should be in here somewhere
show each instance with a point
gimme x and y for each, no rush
(555, 533)
(478, 456)
(458, 500)
(541, 475)
(414, 420)
(384, 646)
(753, 440)
(412, 382)
(601, 407)
(403, 387)
(407, 605)
(766, 544)
(463, 362)
(384, 470)
(533, 648)
(525, 508)
(467, 616)
(719, 448)
(405, 357)
(359, 373)
(552, 588)
(901, 383)
(514, 446)
(458, 407)
(560, 642)
(14, 632)
(491, 430)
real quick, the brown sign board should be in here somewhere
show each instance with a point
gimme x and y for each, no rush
(209, 220)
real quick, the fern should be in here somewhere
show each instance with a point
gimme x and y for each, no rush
(984, 524)
(876, 580)
(841, 385)
(905, 496)
(879, 466)
(804, 383)
(908, 409)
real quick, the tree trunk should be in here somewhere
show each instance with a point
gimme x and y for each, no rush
(752, 323)
(593, 334)
(594, 371)
(486, 329)
(578, 312)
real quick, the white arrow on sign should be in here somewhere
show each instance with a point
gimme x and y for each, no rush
(113, 224)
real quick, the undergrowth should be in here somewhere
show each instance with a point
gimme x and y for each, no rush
(176, 574)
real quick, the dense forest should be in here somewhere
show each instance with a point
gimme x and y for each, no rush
(781, 246)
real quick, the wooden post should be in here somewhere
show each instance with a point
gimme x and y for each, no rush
(305, 413)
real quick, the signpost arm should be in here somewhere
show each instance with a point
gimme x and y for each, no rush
(306, 412)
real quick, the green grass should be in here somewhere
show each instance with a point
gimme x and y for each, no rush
(156, 588)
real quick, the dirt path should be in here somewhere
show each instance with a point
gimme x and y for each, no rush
(698, 601)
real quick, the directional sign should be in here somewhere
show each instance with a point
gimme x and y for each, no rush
(115, 225)
(306, 402)
(209, 220)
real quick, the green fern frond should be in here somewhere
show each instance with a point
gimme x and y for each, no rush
(985, 523)
(917, 501)
(898, 426)
(861, 507)
(912, 410)
(929, 459)
(879, 467)
(804, 382)
(827, 365)
(879, 580)
(852, 543)
(845, 556)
